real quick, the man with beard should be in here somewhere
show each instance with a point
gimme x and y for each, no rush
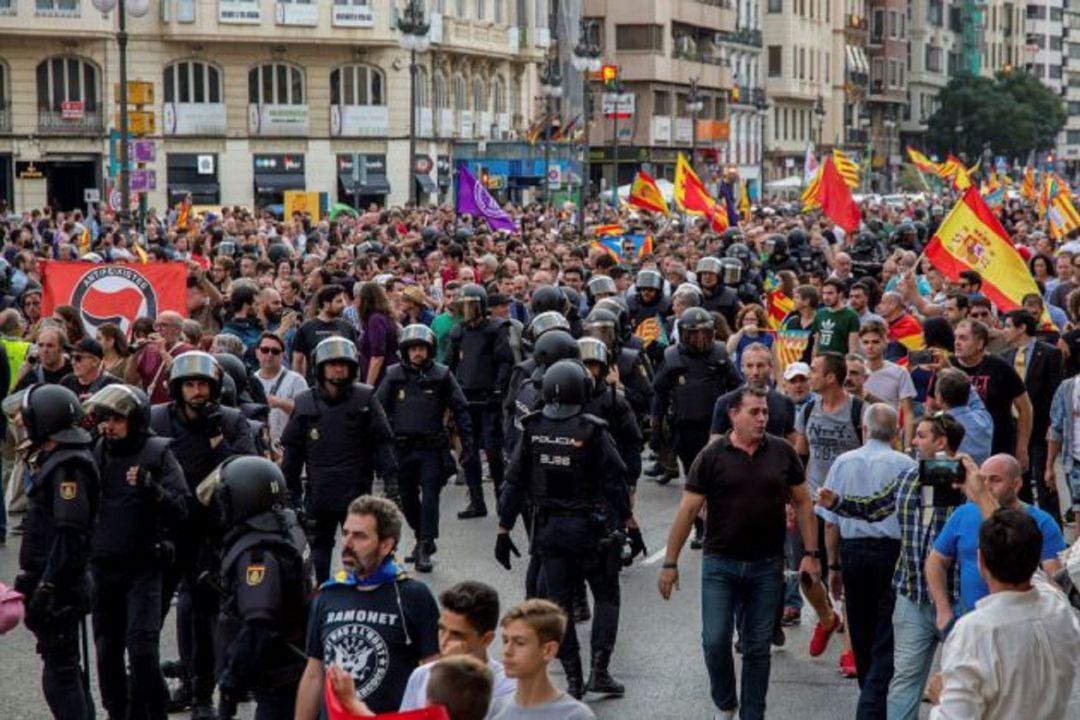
(378, 635)
(331, 302)
(203, 434)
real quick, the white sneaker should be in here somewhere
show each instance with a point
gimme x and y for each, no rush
(725, 715)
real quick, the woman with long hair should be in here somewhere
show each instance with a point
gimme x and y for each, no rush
(115, 347)
(378, 344)
(72, 322)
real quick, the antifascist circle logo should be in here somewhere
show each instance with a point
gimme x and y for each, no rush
(486, 203)
(116, 294)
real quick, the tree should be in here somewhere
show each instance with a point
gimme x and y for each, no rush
(1013, 114)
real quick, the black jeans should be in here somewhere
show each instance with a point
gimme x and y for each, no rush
(690, 438)
(420, 481)
(487, 436)
(127, 618)
(322, 534)
(1034, 490)
(277, 703)
(868, 566)
(196, 616)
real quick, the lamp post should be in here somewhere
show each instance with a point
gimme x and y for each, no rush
(585, 59)
(890, 124)
(137, 8)
(865, 120)
(617, 89)
(762, 106)
(695, 103)
(551, 89)
(414, 38)
(819, 114)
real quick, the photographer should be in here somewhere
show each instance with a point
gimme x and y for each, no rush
(152, 359)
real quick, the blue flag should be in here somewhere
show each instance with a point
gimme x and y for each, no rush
(474, 199)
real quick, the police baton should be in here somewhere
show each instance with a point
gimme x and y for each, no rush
(84, 671)
(207, 579)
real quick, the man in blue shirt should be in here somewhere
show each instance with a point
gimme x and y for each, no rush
(959, 539)
(952, 392)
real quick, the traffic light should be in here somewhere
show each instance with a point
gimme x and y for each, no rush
(609, 74)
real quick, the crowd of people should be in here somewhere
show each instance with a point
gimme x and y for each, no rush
(856, 431)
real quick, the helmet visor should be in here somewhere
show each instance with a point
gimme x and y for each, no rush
(697, 339)
(468, 309)
(602, 331)
(113, 400)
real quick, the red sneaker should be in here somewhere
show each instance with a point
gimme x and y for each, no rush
(820, 639)
(847, 664)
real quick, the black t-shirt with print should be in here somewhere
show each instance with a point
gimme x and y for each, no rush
(312, 332)
(362, 631)
(998, 385)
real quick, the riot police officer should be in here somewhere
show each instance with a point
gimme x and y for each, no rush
(522, 371)
(554, 345)
(480, 357)
(416, 395)
(600, 287)
(568, 469)
(547, 298)
(632, 366)
(648, 309)
(62, 506)
(143, 494)
(715, 295)
(266, 580)
(339, 432)
(750, 284)
(202, 433)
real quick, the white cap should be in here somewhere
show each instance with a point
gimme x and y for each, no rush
(797, 369)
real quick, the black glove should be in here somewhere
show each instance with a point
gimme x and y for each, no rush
(503, 547)
(42, 602)
(636, 543)
(212, 423)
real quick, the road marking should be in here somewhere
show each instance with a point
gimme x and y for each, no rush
(654, 558)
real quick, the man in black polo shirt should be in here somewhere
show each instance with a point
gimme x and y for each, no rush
(757, 368)
(744, 479)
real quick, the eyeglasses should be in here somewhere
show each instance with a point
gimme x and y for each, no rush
(271, 350)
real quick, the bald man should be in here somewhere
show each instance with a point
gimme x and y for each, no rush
(959, 539)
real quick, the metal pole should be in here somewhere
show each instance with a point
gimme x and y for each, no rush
(125, 174)
(693, 139)
(412, 128)
(615, 157)
(547, 148)
(586, 101)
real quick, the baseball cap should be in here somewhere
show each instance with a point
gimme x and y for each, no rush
(89, 346)
(797, 369)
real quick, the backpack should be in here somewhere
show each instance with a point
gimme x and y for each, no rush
(856, 414)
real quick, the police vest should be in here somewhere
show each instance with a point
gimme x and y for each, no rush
(188, 443)
(417, 400)
(561, 478)
(724, 301)
(41, 512)
(475, 363)
(698, 382)
(627, 361)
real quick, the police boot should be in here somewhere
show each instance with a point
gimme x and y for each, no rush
(422, 558)
(203, 712)
(575, 679)
(476, 507)
(600, 680)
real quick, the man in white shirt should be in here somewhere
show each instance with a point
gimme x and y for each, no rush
(887, 380)
(467, 624)
(280, 384)
(1015, 655)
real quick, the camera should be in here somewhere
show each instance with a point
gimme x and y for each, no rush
(944, 476)
(920, 357)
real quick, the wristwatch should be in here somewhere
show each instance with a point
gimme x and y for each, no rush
(670, 566)
(815, 553)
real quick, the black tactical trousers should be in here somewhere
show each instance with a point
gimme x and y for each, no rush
(322, 534)
(127, 617)
(486, 436)
(690, 438)
(196, 616)
(420, 480)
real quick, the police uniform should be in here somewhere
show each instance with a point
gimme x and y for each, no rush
(62, 506)
(723, 300)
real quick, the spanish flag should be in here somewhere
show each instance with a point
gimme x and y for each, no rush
(922, 163)
(972, 238)
(692, 198)
(645, 195)
(847, 168)
(954, 171)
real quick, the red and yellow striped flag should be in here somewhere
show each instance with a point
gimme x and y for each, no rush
(791, 346)
(847, 168)
(779, 306)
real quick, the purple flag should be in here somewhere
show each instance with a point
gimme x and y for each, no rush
(474, 199)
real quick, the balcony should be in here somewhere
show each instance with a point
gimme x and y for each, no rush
(87, 123)
(708, 57)
(678, 69)
(856, 136)
(742, 36)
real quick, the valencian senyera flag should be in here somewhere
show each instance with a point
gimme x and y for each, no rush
(923, 163)
(779, 307)
(617, 248)
(646, 195)
(791, 346)
(972, 238)
(847, 168)
(474, 199)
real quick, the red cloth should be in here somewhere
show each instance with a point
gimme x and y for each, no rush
(148, 363)
(836, 200)
(335, 711)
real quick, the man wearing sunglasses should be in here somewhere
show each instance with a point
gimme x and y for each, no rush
(280, 384)
(87, 376)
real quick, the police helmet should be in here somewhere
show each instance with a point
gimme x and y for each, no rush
(565, 389)
(603, 325)
(573, 301)
(740, 252)
(697, 330)
(592, 350)
(546, 321)
(127, 401)
(601, 286)
(52, 412)
(554, 346)
(416, 334)
(547, 298)
(227, 247)
(776, 245)
(234, 368)
(709, 265)
(798, 239)
(617, 306)
(731, 235)
(471, 302)
(336, 349)
(249, 485)
(649, 280)
(195, 365)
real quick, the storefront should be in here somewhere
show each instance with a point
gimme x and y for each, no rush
(194, 175)
(367, 185)
(58, 181)
(274, 174)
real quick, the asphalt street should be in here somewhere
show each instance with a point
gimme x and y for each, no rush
(658, 655)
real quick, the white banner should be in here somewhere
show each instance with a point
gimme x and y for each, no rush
(279, 119)
(661, 129)
(239, 12)
(684, 131)
(353, 16)
(622, 104)
(293, 14)
(359, 120)
(193, 119)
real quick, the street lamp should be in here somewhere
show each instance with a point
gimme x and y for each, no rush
(551, 89)
(762, 106)
(695, 103)
(819, 113)
(414, 38)
(137, 8)
(889, 124)
(585, 59)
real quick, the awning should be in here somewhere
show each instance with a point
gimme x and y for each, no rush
(856, 60)
(278, 182)
(376, 184)
(427, 184)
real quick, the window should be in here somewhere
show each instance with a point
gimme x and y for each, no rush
(498, 95)
(497, 8)
(776, 124)
(813, 54)
(935, 12)
(442, 98)
(639, 37)
(1055, 42)
(894, 24)
(461, 11)
(358, 85)
(422, 87)
(1055, 14)
(479, 95)
(828, 67)
(785, 123)
(458, 86)
(1074, 51)
(1055, 71)
(1038, 41)
(661, 103)
(933, 59)
(802, 63)
(1036, 12)
(276, 84)
(481, 10)
(776, 60)
(56, 7)
(67, 79)
(192, 81)
(775, 6)
(877, 26)
(1073, 137)
(1074, 107)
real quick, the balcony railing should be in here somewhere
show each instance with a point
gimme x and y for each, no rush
(53, 122)
(716, 3)
(856, 136)
(710, 57)
(742, 36)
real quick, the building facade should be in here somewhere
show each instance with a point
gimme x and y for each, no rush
(254, 97)
(1069, 147)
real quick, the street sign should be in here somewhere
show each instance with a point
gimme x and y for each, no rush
(554, 177)
(142, 151)
(139, 92)
(143, 180)
(619, 106)
(205, 164)
(140, 122)
(91, 195)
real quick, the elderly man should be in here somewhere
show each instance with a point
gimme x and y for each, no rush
(905, 331)
(87, 375)
(152, 360)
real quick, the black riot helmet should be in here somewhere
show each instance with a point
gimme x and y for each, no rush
(592, 350)
(52, 412)
(740, 252)
(797, 239)
(709, 265)
(547, 321)
(336, 349)
(195, 365)
(697, 330)
(565, 389)
(417, 334)
(603, 325)
(127, 401)
(731, 235)
(248, 485)
(617, 306)
(555, 346)
(228, 395)
(234, 368)
(573, 301)
(649, 280)
(471, 302)
(601, 286)
(547, 298)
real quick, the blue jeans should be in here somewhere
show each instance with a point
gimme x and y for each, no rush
(915, 637)
(753, 589)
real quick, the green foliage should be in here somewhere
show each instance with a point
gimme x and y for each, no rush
(1014, 113)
